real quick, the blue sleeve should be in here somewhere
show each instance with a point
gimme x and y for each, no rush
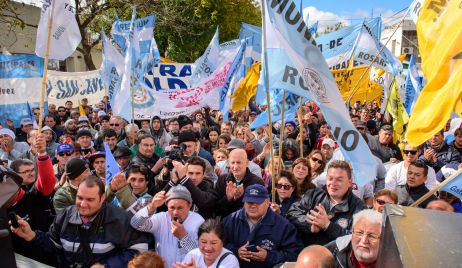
(229, 235)
(289, 248)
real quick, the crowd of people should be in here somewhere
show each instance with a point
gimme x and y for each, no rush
(196, 191)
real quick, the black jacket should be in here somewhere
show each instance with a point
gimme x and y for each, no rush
(341, 249)
(203, 195)
(408, 195)
(342, 213)
(225, 207)
(447, 154)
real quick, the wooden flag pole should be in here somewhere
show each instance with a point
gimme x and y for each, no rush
(281, 136)
(133, 98)
(437, 188)
(45, 68)
(300, 122)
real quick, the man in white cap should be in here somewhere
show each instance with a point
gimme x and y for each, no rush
(327, 149)
(175, 231)
(9, 148)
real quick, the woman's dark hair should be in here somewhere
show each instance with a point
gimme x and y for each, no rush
(322, 166)
(211, 129)
(307, 184)
(290, 177)
(225, 136)
(209, 226)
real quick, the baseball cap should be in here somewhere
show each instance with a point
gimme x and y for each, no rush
(360, 124)
(83, 118)
(101, 113)
(75, 167)
(179, 192)
(329, 142)
(65, 147)
(7, 131)
(183, 120)
(122, 152)
(255, 193)
(236, 144)
(26, 121)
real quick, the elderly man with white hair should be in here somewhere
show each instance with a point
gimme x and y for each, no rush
(361, 248)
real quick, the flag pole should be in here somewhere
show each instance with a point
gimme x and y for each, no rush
(437, 188)
(281, 136)
(355, 89)
(45, 68)
(268, 100)
(133, 98)
(300, 122)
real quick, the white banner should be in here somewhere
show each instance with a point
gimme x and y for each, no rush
(64, 86)
(170, 76)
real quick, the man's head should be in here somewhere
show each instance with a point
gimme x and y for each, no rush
(225, 128)
(178, 202)
(238, 163)
(145, 145)
(70, 125)
(366, 232)
(195, 170)
(98, 161)
(440, 205)
(155, 123)
(25, 169)
(256, 201)
(122, 156)
(110, 137)
(327, 148)
(365, 115)
(289, 127)
(64, 152)
(173, 125)
(84, 137)
(386, 134)
(315, 256)
(116, 123)
(7, 136)
(436, 139)
(411, 153)
(36, 113)
(338, 179)
(26, 124)
(184, 123)
(61, 111)
(52, 108)
(416, 174)
(76, 170)
(50, 121)
(90, 196)
(137, 177)
(48, 133)
(68, 105)
(189, 139)
(31, 136)
(355, 119)
(323, 128)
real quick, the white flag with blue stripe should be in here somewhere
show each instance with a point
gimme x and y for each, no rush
(206, 64)
(296, 64)
(112, 67)
(413, 85)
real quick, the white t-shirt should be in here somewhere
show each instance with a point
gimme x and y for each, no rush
(229, 261)
(397, 175)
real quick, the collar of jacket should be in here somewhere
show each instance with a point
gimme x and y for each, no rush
(74, 215)
(268, 219)
(144, 158)
(417, 190)
(233, 179)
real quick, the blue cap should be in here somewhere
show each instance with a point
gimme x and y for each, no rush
(292, 123)
(65, 147)
(255, 193)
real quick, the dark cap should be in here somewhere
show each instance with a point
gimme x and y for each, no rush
(82, 133)
(96, 155)
(75, 167)
(386, 127)
(122, 152)
(371, 124)
(183, 120)
(255, 193)
(236, 144)
(187, 135)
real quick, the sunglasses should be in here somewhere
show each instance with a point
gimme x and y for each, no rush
(317, 160)
(65, 153)
(413, 152)
(85, 151)
(382, 202)
(283, 186)
(61, 111)
(114, 125)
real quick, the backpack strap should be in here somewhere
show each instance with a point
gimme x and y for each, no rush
(222, 258)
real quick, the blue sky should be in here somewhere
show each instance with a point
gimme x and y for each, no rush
(350, 11)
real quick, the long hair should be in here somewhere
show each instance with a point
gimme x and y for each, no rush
(306, 184)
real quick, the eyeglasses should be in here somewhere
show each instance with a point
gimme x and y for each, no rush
(382, 202)
(412, 152)
(114, 125)
(61, 111)
(283, 186)
(65, 153)
(36, 114)
(317, 160)
(370, 237)
(29, 171)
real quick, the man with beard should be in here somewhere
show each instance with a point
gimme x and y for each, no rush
(173, 128)
(70, 128)
(361, 248)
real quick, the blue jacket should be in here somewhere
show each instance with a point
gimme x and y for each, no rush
(274, 233)
(207, 156)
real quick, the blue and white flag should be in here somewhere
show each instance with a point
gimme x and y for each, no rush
(31, 116)
(206, 64)
(112, 168)
(122, 99)
(314, 28)
(145, 32)
(413, 85)
(20, 84)
(454, 187)
(112, 67)
(248, 30)
(296, 64)
(65, 33)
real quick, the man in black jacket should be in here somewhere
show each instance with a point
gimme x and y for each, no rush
(324, 214)
(230, 187)
(192, 176)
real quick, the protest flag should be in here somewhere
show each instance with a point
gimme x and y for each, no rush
(439, 47)
(247, 88)
(396, 109)
(82, 110)
(112, 167)
(58, 18)
(205, 65)
(31, 115)
(288, 42)
(413, 85)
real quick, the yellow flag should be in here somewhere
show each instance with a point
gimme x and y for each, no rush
(396, 109)
(440, 39)
(247, 88)
(81, 110)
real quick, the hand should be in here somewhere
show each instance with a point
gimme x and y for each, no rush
(97, 265)
(24, 230)
(190, 264)
(394, 160)
(428, 154)
(276, 208)
(118, 182)
(307, 118)
(315, 229)
(179, 169)
(178, 230)
(230, 190)
(159, 164)
(243, 253)
(319, 217)
(157, 201)
(248, 134)
(40, 143)
(260, 255)
(239, 192)
(10, 123)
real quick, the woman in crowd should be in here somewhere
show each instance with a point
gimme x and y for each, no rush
(223, 141)
(210, 253)
(383, 197)
(239, 132)
(210, 142)
(302, 173)
(317, 163)
(267, 172)
(286, 193)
